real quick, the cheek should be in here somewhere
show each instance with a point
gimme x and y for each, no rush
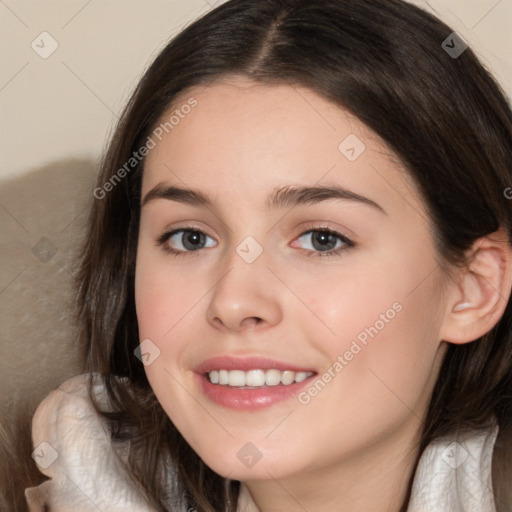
(164, 300)
(161, 294)
(378, 327)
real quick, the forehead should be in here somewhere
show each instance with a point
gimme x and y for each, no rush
(242, 136)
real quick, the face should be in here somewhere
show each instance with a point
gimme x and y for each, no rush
(287, 287)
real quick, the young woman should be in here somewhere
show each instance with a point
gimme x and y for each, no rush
(295, 291)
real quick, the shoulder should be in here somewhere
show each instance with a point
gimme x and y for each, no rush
(64, 408)
(72, 446)
(455, 473)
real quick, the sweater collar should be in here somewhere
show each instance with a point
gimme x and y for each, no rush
(454, 474)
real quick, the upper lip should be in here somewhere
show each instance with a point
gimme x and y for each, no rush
(246, 364)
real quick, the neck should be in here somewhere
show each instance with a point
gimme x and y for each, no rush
(378, 480)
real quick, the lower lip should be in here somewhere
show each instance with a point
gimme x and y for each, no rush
(250, 399)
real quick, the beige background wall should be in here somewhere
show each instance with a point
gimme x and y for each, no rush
(64, 105)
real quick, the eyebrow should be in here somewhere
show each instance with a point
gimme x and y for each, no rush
(281, 197)
(182, 195)
(291, 196)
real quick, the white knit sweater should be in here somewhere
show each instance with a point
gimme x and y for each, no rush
(72, 446)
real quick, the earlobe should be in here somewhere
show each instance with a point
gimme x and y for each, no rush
(481, 292)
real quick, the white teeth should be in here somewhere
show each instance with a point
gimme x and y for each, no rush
(256, 378)
(300, 376)
(272, 377)
(236, 378)
(287, 377)
(214, 376)
(223, 377)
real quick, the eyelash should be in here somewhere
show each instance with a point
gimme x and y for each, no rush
(347, 243)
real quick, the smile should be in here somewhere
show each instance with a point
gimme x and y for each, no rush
(250, 383)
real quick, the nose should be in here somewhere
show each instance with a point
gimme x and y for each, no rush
(246, 298)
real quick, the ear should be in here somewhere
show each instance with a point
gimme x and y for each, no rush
(479, 294)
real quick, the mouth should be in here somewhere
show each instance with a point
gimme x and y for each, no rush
(250, 383)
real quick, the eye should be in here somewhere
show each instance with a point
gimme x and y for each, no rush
(185, 240)
(323, 241)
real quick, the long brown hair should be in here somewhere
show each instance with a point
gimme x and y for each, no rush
(383, 60)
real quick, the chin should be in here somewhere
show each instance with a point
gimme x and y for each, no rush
(248, 462)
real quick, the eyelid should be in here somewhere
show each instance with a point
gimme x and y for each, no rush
(344, 233)
(188, 226)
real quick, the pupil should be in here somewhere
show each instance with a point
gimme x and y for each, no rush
(323, 240)
(192, 240)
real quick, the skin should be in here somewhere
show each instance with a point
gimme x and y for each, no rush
(352, 447)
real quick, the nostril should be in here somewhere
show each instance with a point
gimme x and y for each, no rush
(251, 322)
